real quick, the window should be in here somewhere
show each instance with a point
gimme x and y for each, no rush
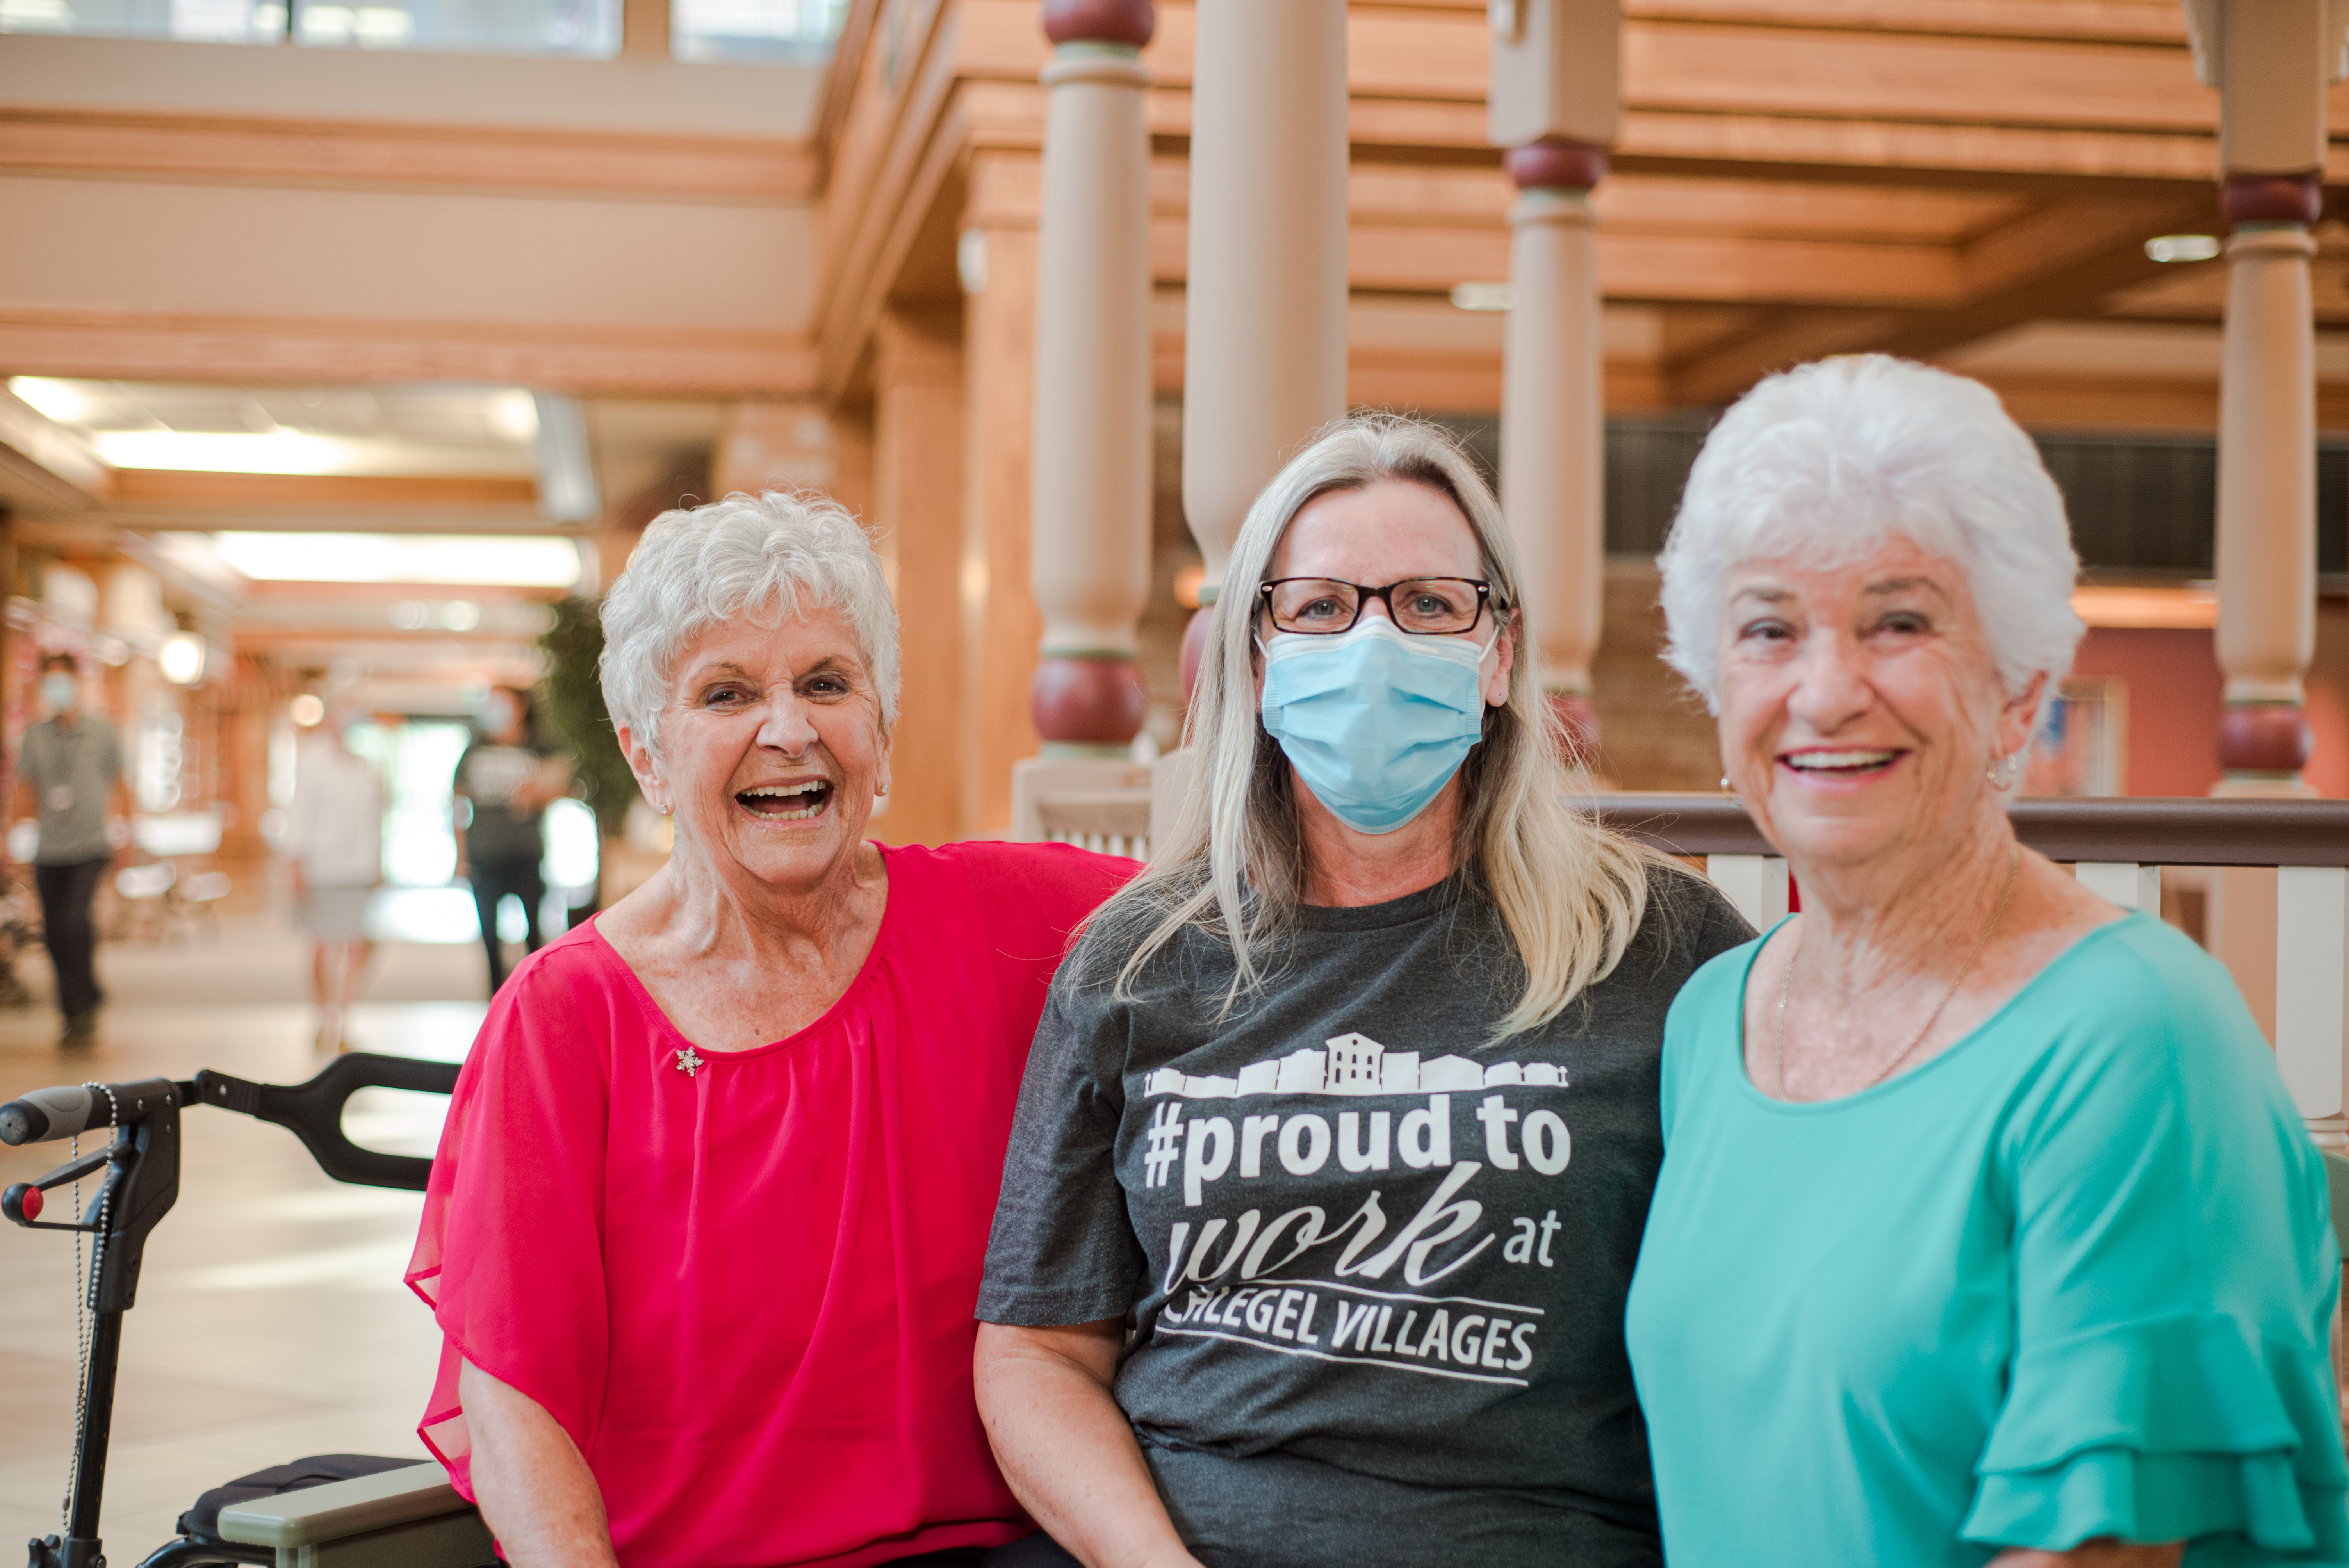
(751, 32)
(197, 21)
(589, 30)
(743, 32)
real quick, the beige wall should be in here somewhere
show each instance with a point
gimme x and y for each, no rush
(627, 95)
(274, 251)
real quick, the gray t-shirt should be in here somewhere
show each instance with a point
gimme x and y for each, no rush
(1377, 1267)
(502, 833)
(72, 776)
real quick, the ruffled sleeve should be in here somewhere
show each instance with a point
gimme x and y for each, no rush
(510, 1254)
(2175, 1284)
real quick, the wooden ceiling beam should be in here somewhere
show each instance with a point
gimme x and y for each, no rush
(1782, 339)
(2106, 254)
(142, 345)
(339, 154)
(174, 490)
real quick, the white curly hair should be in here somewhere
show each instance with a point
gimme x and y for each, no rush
(1828, 459)
(764, 558)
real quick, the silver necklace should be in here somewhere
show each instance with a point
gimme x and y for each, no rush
(1786, 984)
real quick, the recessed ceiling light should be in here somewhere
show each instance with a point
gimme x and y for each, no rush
(60, 400)
(2182, 248)
(484, 559)
(1481, 296)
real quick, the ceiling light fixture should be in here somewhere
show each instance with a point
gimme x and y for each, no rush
(1481, 297)
(59, 400)
(181, 658)
(227, 452)
(2182, 248)
(489, 561)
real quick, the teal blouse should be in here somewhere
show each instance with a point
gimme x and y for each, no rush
(2072, 1278)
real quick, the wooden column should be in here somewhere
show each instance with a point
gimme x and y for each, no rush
(2271, 60)
(1265, 307)
(1090, 490)
(1554, 104)
(917, 516)
(1001, 625)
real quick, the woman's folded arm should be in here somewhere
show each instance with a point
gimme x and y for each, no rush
(535, 1490)
(1066, 1448)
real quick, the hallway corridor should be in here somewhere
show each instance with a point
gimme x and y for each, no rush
(271, 1322)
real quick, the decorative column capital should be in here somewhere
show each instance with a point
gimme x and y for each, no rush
(1099, 22)
(1555, 163)
(2271, 197)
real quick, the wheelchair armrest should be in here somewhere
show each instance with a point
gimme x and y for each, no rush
(342, 1509)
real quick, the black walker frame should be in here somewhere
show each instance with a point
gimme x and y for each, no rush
(141, 1181)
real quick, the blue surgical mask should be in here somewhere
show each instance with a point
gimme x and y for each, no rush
(1374, 720)
(58, 690)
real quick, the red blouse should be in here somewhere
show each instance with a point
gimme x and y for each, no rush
(745, 1289)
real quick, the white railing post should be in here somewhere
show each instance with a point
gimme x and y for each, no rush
(2312, 945)
(2124, 882)
(1756, 884)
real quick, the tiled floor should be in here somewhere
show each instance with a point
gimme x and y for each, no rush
(271, 1322)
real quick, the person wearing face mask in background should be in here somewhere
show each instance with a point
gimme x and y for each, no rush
(70, 779)
(334, 848)
(1349, 1101)
(503, 784)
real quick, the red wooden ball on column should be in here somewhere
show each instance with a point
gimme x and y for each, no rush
(1557, 164)
(1087, 702)
(1573, 720)
(1195, 647)
(2263, 737)
(1099, 22)
(2272, 199)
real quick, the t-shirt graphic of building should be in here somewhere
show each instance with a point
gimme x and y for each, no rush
(1355, 1063)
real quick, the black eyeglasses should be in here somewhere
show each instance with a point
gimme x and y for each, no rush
(1424, 606)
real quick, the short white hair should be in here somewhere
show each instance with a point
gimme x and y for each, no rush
(1826, 461)
(765, 558)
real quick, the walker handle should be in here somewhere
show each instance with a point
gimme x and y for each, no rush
(313, 1111)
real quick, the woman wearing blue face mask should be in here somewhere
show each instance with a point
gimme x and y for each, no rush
(1347, 1108)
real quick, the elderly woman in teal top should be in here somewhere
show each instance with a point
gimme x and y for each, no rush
(1986, 1232)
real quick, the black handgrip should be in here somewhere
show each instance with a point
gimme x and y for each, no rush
(313, 1111)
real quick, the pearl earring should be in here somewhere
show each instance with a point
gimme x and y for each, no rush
(2002, 770)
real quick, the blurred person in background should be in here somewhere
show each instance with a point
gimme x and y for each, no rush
(334, 848)
(70, 779)
(504, 782)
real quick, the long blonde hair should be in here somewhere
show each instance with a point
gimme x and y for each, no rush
(1570, 894)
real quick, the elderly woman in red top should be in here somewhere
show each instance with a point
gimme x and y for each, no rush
(705, 1232)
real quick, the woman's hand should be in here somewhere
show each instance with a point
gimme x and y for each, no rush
(1066, 1448)
(537, 1494)
(2102, 1552)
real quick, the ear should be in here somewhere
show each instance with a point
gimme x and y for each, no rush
(642, 764)
(2015, 719)
(1502, 662)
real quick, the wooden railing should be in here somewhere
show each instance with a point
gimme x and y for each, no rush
(2287, 948)
(2275, 872)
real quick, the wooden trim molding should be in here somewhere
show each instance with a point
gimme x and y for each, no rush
(2147, 831)
(162, 346)
(329, 153)
(170, 488)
